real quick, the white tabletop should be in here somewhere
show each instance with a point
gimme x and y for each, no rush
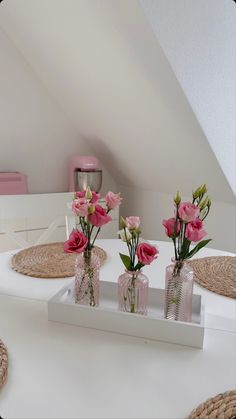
(61, 371)
(220, 310)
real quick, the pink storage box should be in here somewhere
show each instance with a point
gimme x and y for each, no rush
(13, 183)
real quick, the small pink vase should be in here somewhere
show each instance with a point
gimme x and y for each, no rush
(86, 289)
(178, 292)
(133, 292)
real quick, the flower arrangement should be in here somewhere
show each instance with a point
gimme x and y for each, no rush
(145, 253)
(184, 228)
(91, 217)
(133, 285)
(187, 224)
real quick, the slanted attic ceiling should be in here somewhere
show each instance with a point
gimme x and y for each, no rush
(104, 65)
(204, 62)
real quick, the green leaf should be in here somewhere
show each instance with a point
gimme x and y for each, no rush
(197, 248)
(185, 248)
(138, 266)
(126, 261)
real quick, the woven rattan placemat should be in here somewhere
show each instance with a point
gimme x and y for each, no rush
(48, 261)
(222, 406)
(3, 363)
(217, 274)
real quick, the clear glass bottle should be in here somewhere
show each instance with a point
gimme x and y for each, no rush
(86, 289)
(133, 292)
(178, 292)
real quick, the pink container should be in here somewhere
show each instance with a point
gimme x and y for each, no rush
(133, 292)
(84, 163)
(13, 183)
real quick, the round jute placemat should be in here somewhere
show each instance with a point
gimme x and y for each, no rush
(3, 363)
(48, 261)
(222, 406)
(217, 274)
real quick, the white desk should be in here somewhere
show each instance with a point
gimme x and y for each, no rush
(61, 371)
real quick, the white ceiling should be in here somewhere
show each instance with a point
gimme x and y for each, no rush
(103, 64)
(199, 40)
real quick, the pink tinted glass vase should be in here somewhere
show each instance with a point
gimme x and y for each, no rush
(86, 289)
(133, 292)
(179, 292)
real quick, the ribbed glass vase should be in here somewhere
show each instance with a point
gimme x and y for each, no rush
(86, 289)
(133, 292)
(178, 292)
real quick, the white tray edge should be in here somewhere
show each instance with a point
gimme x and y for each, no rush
(99, 318)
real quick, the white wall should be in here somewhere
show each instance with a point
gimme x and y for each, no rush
(36, 136)
(199, 40)
(153, 207)
(102, 62)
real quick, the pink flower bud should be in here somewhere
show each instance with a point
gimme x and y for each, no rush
(132, 222)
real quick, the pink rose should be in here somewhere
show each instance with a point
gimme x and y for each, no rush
(112, 200)
(76, 243)
(146, 253)
(93, 200)
(170, 226)
(80, 207)
(194, 231)
(80, 194)
(188, 212)
(99, 217)
(132, 222)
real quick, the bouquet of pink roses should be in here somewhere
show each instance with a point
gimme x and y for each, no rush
(92, 216)
(144, 252)
(187, 224)
(184, 228)
(133, 284)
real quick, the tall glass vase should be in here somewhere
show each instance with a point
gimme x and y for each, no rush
(87, 279)
(178, 292)
(133, 292)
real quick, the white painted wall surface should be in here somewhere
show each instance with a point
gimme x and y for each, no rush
(36, 138)
(114, 81)
(102, 62)
(199, 40)
(153, 207)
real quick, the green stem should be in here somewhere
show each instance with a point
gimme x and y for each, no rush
(174, 241)
(206, 214)
(175, 233)
(129, 248)
(95, 237)
(132, 305)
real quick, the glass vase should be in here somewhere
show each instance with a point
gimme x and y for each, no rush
(178, 292)
(86, 289)
(133, 292)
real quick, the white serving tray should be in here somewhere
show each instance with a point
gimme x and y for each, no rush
(62, 308)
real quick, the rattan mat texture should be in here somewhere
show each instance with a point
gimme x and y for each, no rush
(216, 273)
(3, 363)
(222, 406)
(48, 261)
